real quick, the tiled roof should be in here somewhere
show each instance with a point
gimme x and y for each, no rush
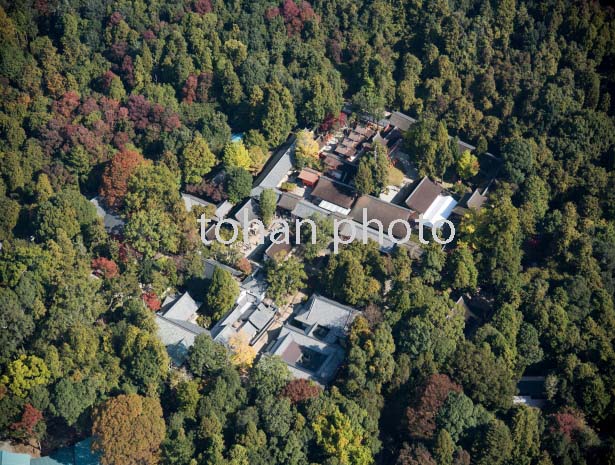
(190, 201)
(183, 309)
(308, 175)
(385, 212)
(288, 201)
(334, 192)
(401, 121)
(423, 195)
(275, 170)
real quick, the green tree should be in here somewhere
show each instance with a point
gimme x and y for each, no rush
(324, 236)
(221, 294)
(518, 156)
(463, 275)
(151, 231)
(525, 434)
(494, 446)
(278, 113)
(25, 373)
(483, 376)
(285, 278)
(238, 184)
(268, 203)
(444, 448)
(207, 357)
(16, 325)
(467, 165)
(197, 160)
(71, 399)
(364, 181)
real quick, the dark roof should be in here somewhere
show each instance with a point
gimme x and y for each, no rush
(288, 201)
(401, 121)
(334, 192)
(292, 353)
(423, 195)
(385, 212)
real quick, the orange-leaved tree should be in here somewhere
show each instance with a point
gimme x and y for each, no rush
(128, 430)
(114, 185)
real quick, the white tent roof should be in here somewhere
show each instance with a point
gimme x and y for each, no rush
(439, 210)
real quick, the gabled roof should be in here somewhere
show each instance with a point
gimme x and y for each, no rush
(327, 312)
(288, 201)
(346, 151)
(309, 175)
(250, 207)
(334, 192)
(385, 212)
(190, 201)
(177, 336)
(476, 200)
(223, 209)
(275, 170)
(305, 209)
(401, 121)
(211, 264)
(423, 195)
(111, 221)
(292, 345)
(183, 309)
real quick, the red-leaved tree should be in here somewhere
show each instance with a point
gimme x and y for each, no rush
(114, 185)
(152, 301)
(29, 419)
(104, 267)
(299, 390)
(421, 415)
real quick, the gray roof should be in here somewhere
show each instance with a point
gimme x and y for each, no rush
(476, 200)
(334, 192)
(291, 345)
(288, 201)
(111, 221)
(250, 207)
(184, 308)
(211, 264)
(305, 209)
(250, 316)
(385, 212)
(386, 244)
(328, 313)
(223, 209)
(190, 201)
(275, 170)
(401, 121)
(177, 336)
(463, 146)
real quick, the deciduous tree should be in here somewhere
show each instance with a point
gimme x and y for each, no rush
(128, 430)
